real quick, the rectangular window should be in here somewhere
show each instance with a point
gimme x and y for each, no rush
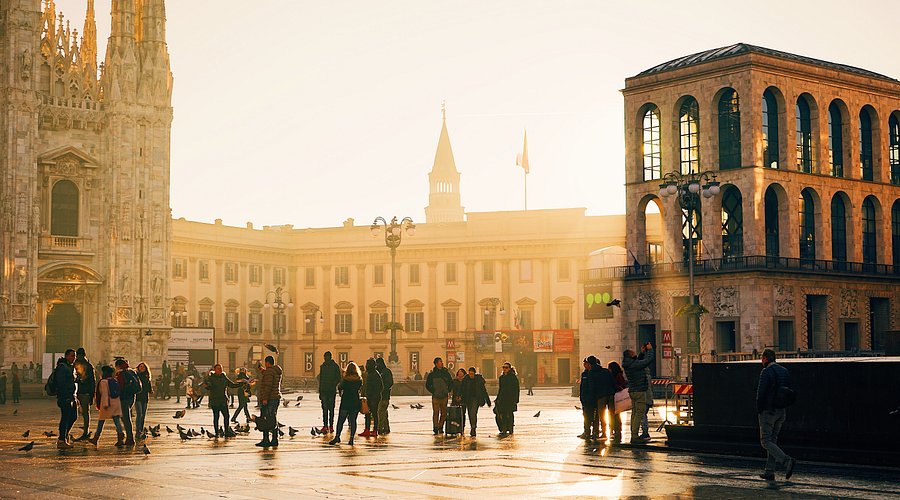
(487, 271)
(525, 271)
(254, 322)
(277, 276)
(563, 270)
(414, 274)
(310, 277)
(205, 319)
(377, 321)
(378, 275)
(654, 253)
(342, 276)
(309, 320)
(231, 272)
(204, 270)
(525, 319)
(450, 272)
(178, 270)
(231, 322)
(255, 275)
(564, 318)
(450, 321)
(415, 321)
(343, 322)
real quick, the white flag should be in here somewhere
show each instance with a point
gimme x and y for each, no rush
(522, 158)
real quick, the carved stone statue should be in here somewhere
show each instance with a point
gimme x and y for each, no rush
(21, 276)
(156, 288)
(125, 287)
(26, 64)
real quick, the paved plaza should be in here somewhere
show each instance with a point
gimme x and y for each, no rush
(544, 458)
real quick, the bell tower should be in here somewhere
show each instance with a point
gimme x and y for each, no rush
(444, 203)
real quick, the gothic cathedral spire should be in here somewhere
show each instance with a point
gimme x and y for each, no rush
(444, 203)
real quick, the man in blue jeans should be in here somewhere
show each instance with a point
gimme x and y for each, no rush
(771, 418)
(269, 394)
(64, 381)
(126, 379)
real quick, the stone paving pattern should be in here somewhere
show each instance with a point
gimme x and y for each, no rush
(542, 459)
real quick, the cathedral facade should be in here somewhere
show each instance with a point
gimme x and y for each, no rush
(85, 235)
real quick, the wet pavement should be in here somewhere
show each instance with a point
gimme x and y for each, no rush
(544, 458)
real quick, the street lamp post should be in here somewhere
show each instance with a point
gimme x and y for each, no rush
(687, 189)
(275, 299)
(309, 319)
(393, 235)
(492, 312)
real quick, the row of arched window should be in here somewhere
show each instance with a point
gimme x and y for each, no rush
(729, 136)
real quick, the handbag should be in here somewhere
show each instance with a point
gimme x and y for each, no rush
(623, 401)
(265, 422)
(363, 406)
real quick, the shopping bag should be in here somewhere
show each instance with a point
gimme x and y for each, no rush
(363, 406)
(623, 401)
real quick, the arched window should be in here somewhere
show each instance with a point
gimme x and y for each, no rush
(651, 145)
(732, 223)
(838, 229)
(894, 153)
(64, 209)
(895, 234)
(729, 130)
(835, 140)
(772, 243)
(770, 129)
(804, 136)
(870, 253)
(807, 225)
(698, 234)
(689, 132)
(865, 145)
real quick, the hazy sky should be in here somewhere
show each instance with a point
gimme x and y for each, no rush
(309, 112)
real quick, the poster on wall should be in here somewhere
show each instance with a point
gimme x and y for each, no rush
(484, 342)
(596, 296)
(543, 341)
(192, 345)
(564, 341)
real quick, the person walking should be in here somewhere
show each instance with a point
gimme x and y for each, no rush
(474, 396)
(2, 388)
(588, 402)
(165, 381)
(507, 400)
(178, 379)
(438, 384)
(387, 381)
(329, 379)
(142, 399)
(243, 395)
(87, 385)
(349, 388)
(774, 381)
(373, 388)
(216, 386)
(65, 386)
(109, 406)
(621, 384)
(604, 389)
(130, 387)
(457, 410)
(16, 386)
(530, 380)
(637, 388)
(269, 396)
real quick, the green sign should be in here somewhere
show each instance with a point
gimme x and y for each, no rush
(596, 296)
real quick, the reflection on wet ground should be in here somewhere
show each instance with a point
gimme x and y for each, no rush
(544, 458)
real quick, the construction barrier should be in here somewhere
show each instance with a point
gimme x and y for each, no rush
(684, 403)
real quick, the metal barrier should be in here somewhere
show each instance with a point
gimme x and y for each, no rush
(683, 395)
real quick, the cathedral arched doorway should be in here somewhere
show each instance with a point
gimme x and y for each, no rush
(63, 328)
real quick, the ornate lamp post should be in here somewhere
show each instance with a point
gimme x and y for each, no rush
(687, 189)
(491, 313)
(393, 235)
(310, 320)
(179, 316)
(275, 299)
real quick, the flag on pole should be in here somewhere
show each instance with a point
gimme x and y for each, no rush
(522, 158)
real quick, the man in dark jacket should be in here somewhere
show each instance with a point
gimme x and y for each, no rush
(771, 417)
(604, 389)
(507, 400)
(269, 395)
(87, 384)
(637, 388)
(2, 388)
(474, 396)
(588, 402)
(387, 380)
(129, 387)
(438, 384)
(66, 387)
(329, 379)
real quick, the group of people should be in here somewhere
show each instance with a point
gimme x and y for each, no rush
(466, 393)
(599, 386)
(16, 382)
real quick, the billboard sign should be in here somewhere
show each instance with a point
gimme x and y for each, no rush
(543, 341)
(192, 345)
(596, 296)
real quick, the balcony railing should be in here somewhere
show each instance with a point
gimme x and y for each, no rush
(66, 244)
(741, 264)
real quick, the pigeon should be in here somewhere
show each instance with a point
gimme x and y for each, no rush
(280, 424)
(202, 430)
(145, 449)
(183, 436)
(27, 447)
(538, 414)
(293, 432)
(395, 406)
(419, 406)
(195, 433)
(271, 348)
(50, 434)
(179, 427)
(157, 427)
(210, 435)
(300, 397)
(297, 405)
(412, 406)
(169, 429)
(614, 302)
(179, 413)
(15, 412)
(280, 433)
(577, 407)
(285, 402)
(26, 433)
(154, 432)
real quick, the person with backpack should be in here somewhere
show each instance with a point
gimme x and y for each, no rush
(130, 386)
(438, 384)
(142, 399)
(329, 379)
(62, 385)
(87, 385)
(387, 379)
(773, 395)
(109, 406)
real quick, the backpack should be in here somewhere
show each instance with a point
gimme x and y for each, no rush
(784, 397)
(50, 386)
(441, 390)
(132, 383)
(113, 388)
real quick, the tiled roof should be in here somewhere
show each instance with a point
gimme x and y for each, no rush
(744, 48)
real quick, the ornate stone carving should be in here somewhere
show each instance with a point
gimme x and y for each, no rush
(26, 64)
(22, 213)
(153, 349)
(157, 315)
(18, 348)
(157, 289)
(123, 315)
(648, 305)
(783, 298)
(725, 302)
(849, 303)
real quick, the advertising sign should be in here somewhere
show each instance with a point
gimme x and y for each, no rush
(543, 341)
(192, 345)
(307, 362)
(564, 341)
(484, 342)
(667, 337)
(451, 361)
(414, 362)
(596, 296)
